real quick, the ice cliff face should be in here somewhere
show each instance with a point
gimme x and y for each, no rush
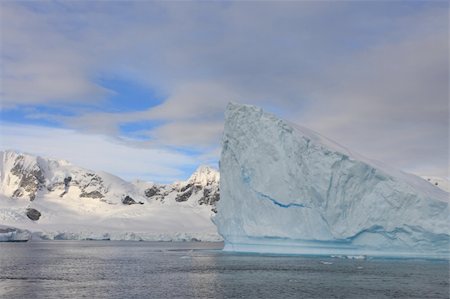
(287, 189)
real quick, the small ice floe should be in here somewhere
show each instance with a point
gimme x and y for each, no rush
(337, 256)
(185, 257)
(326, 263)
(349, 257)
(359, 268)
(356, 257)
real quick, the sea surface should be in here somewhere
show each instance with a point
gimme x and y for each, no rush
(114, 269)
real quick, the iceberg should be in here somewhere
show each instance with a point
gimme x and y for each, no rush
(12, 234)
(287, 189)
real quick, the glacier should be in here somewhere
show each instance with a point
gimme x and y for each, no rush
(287, 189)
(12, 234)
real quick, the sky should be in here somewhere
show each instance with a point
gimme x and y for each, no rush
(139, 88)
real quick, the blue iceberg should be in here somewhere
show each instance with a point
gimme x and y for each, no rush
(287, 189)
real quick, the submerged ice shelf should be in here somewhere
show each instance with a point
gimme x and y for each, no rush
(286, 189)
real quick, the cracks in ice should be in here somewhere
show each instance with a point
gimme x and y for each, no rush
(276, 202)
(247, 180)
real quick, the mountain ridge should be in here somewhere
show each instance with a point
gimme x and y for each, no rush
(55, 196)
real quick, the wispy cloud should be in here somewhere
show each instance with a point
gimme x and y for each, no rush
(98, 152)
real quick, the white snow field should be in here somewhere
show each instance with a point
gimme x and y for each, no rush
(287, 189)
(76, 203)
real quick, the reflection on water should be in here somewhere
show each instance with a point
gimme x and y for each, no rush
(97, 269)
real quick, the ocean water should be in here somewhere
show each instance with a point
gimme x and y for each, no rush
(108, 269)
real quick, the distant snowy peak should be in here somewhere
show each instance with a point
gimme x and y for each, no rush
(205, 175)
(202, 188)
(206, 181)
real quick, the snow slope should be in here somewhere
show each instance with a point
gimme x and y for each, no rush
(287, 189)
(440, 182)
(76, 203)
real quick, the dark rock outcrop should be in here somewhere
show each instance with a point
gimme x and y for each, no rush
(184, 196)
(184, 188)
(150, 192)
(67, 181)
(93, 182)
(30, 180)
(33, 214)
(92, 194)
(18, 193)
(130, 201)
(210, 197)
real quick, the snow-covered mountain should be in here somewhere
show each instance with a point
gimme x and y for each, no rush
(287, 189)
(55, 199)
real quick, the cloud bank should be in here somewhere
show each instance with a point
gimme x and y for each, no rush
(371, 75)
